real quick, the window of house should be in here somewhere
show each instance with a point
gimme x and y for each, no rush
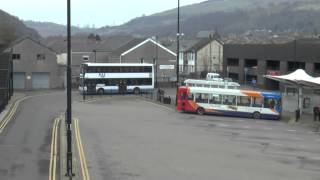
(85, 58)
(16, 56)
(41, 57)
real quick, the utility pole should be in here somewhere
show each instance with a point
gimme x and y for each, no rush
(178, 49)
(69, 172)
(210, 56)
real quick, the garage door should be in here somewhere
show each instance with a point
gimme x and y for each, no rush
(19, 80)
(40, 81)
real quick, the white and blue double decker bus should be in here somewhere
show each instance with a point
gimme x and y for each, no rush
(103, 78)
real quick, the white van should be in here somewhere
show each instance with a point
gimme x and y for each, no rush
(214, 77)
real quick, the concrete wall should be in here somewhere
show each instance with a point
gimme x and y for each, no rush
(283, 53)
(28, 63)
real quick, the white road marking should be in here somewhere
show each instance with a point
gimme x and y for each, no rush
(276, 144)
(223, 125)
(291, 130)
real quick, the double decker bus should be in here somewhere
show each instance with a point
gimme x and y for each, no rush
(230, 102)
(102, 78)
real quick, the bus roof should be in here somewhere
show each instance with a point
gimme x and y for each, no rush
(116, 64)
(206, 82)
(235, 92)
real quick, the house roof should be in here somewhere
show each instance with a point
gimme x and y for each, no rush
(83, 44)
(146, 41)
(18, 41)
(201, 43)
(185, 44)
(127, 46)
(136, 43)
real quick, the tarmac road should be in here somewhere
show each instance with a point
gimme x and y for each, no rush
(25, 142)
(125, 137)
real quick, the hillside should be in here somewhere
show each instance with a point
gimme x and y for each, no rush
(46, 29)
(231, 16)
(11, 28)
(228, 16)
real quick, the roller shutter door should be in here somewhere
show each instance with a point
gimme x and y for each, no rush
(19, 80)
(40, 81)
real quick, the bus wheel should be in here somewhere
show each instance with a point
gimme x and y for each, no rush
(256, 115)
(100, 91)
(200, 111)
(136, 91)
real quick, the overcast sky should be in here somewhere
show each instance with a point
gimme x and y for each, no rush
(88, 12)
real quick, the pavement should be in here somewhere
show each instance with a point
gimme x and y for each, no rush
(127, 137)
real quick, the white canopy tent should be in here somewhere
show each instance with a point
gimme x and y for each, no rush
(300, 79)
(315, 82)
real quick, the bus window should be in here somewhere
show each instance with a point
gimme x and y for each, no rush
(184, 95)
(215, 99)
(148, 69)
(229, 100)
(205, 98)
(191, 97)
(244, 101)
(257, 102)
(270, 103)
(106, 83)
(202, 98)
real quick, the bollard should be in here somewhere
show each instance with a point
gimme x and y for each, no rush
(297, 112)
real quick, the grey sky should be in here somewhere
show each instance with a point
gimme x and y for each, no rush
(88, 12)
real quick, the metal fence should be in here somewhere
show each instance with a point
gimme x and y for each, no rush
(6, 81)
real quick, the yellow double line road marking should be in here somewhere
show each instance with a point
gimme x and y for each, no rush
(13, 110)
(83, 162)
(53, 154)
(11, 113)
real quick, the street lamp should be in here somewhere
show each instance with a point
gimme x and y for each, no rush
(95, 55)
(178, 49)
(69, 172)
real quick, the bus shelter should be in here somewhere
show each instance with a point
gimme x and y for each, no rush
(300, 79)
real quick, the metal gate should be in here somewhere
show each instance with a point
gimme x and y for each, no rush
(40, 80)
(19, 80)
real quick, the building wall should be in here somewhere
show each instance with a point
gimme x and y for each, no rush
(282, 54)
(150, 51)
(78, 58)
(210, 57)
(29, 64)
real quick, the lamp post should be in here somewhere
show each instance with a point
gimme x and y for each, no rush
(95, 55)
(69, 172)
(178, 49)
